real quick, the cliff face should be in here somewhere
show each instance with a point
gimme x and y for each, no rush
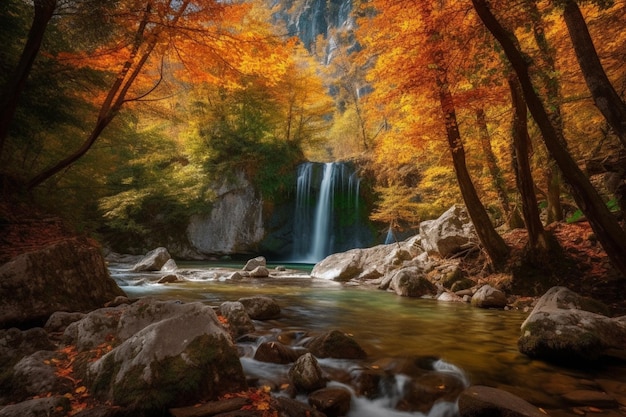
(235, 223)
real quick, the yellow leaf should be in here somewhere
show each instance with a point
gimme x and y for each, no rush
(80, 390)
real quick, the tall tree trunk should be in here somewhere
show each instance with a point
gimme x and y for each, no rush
(547, 75)
(492, 242)
(604, 95)
(16, 83)
(539, 243)
(494, 170)
(605, 225)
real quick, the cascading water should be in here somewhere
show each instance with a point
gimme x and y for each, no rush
(327, 215)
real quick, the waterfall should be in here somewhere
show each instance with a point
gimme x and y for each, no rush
(327, 214)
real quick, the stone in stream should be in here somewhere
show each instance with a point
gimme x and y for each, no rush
(335, 344)
(489, 297)
(275, 352)
(261, 307)
(481, 401)
(239, 321)
(153, 260)
(333, 402)
(306, 374)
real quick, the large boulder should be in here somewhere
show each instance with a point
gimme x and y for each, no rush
(448, 234)
(368, 263)
(70, 275)
(565, 326)
(153, 260)
(162, 354)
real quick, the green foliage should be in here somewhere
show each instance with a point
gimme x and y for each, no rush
(578, 214)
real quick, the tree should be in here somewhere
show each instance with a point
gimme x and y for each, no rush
(540, 245)
(182, 37)
(604, 95)
(9, 97)
(608, 230)
(411, 45)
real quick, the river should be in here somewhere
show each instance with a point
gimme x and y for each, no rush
(482, 343)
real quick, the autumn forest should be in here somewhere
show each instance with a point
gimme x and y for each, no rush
(120, 115)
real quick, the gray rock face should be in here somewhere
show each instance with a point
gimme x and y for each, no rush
(489, 297)
(167, 354)
(153, 260)
(67, 276)
(235, 224)
(565, 326)
(449, 233)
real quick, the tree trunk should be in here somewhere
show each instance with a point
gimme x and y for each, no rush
(492, 242)
(605, 225)
(112, 104)
(539, 243)
(547, 75)
(604, 95)
(494, 170)
(15, 85)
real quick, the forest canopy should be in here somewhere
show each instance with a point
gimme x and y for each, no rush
(136, 109)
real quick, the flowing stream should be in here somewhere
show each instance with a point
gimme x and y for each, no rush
(481, 343)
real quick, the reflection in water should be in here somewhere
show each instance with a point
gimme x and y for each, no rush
(483, 343)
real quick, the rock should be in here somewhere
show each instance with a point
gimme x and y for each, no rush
(275, 352)
(169, 266)
(95, 328)
(333, 402)
(565, 327)
(235, 223)
(67, 276)
(59, 321)
(335, 344)
(411, 282)
(481, 401)
(367, 263)
(15, 344)
(235, 276)
(448, 234)
(260, 272)
(168, 279)
(339, 266)
(306, 374)
(421, 393)
(211, 408)
(489, 297)
(38, 407)
(261, 307)
(167, 354)
(254, 263)
(153, 260)
(36, 374)
(237, 317)
(591, 398)
(447, 296)
(288, 407)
